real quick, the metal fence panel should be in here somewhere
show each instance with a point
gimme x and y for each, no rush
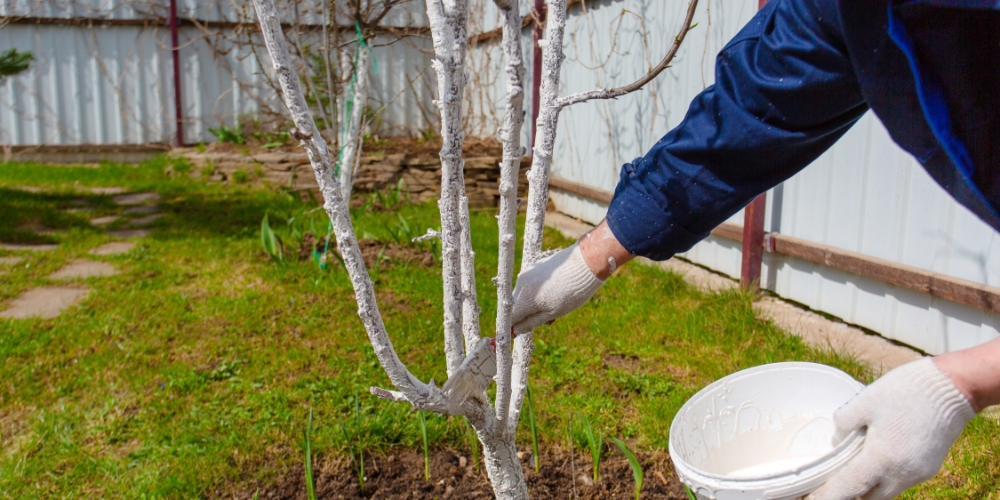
(113, 84)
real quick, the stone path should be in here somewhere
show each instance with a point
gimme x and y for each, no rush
(83, 268)
(143, 209)
(114, 248)
(33, 248)
(135, 198)
(50, 301)
(103, 221)
(44, 302)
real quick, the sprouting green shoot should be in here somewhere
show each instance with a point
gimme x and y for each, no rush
(636, 468)
(307, 439)
(470, 434)
(690, 493)
(534, 433)
(358, 459)
(427, 460)
(595, 441)
(361, 450)
(270, 241)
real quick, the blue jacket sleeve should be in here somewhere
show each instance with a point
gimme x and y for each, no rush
(785, 91)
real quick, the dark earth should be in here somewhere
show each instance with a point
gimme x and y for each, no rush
(400, 474)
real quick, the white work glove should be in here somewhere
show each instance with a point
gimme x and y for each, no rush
(551, 288)
(912, 415)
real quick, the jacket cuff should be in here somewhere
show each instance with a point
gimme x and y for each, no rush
(643, 226)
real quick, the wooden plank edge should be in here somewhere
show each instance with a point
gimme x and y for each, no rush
(581, 189)
(958, 290)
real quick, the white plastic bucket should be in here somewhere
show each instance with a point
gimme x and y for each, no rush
(763, 433)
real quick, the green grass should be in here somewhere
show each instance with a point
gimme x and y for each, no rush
(193, 370)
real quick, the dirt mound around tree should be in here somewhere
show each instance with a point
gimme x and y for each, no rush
(400, 474)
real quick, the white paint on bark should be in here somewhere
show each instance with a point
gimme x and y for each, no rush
(355, 134)
(448, 22)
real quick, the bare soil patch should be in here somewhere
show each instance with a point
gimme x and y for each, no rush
(400, 474)
(371, 249)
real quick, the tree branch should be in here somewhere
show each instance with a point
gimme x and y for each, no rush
(648, 77)
(417, 393)
(510, 136)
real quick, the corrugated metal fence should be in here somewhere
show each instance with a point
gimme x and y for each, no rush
(865, 194)
(103, 73)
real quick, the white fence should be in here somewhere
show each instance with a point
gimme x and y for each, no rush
(864, 195)
(111, 81)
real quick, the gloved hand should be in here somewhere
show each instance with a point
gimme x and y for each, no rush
(551, 288)
(912, 415)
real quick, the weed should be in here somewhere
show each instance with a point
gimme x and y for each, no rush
(200, 147)
(258, 171)
(427, 455)
(427, 135)
(356, 451)
(232, 135)
(307, 444)
(208, 169)
(690, 493)
(636, 467)
(270, 241)
(240, 176)
(534, 433)
(394, 196)
(595, 441)
(470, 434)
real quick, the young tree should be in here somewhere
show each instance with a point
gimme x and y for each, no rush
(472, 362)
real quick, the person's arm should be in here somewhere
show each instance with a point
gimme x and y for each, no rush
(785, 91)
(975, 372)
(911, 417)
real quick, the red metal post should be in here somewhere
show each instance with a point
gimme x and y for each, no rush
(753, 242)
(175, 52)
(753, 234)
(536, 66)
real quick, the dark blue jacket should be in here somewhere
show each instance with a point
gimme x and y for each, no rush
(792, 82)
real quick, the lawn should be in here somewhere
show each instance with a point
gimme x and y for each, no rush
(193, 370)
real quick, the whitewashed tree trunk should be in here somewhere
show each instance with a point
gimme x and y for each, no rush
(355, 133)
(448, 21)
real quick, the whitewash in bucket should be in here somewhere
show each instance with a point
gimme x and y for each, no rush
(763, 433)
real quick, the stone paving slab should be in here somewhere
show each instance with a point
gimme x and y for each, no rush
(135, 198)
(44, 302)
(144, 221)
(84, 268)
(32, 248)
(128, 234)
(114, 248)
(10, 261)
(142, 209)
(103, 221)
(111, 190)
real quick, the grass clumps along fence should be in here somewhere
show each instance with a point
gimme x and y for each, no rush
(193, 370)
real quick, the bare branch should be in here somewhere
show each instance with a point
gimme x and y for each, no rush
(417, 393)
(448, 28)
(648, 77)
(510, 136)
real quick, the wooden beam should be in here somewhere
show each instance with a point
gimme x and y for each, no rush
(581, 189)
(958, 290)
